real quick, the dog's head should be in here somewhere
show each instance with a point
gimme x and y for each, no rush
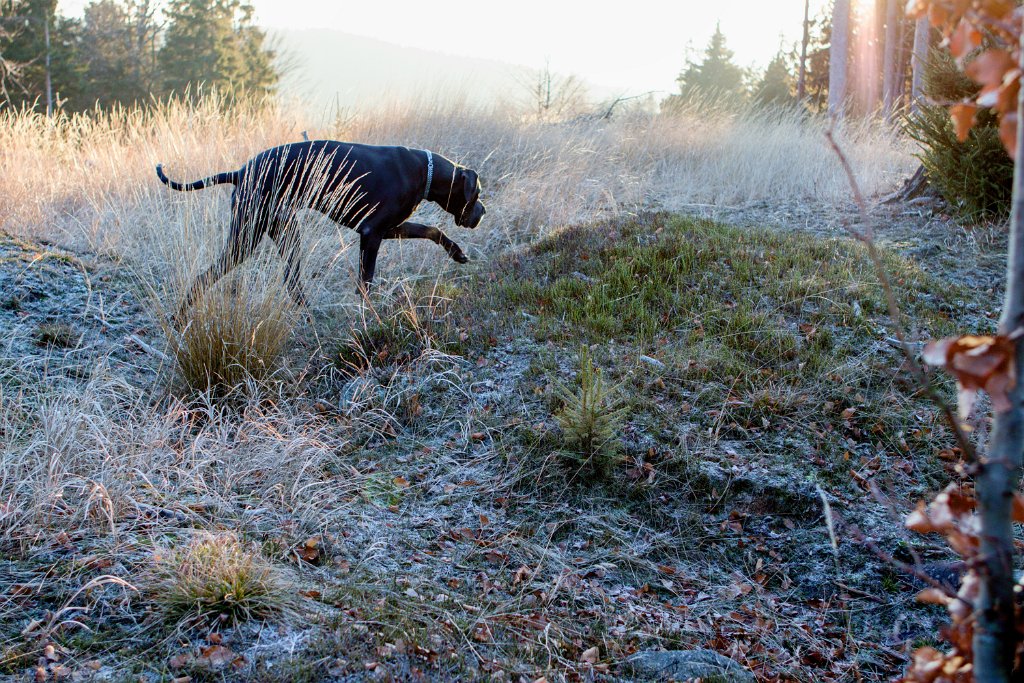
(465, 202)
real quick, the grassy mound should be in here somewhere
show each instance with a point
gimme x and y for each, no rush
(757, 335)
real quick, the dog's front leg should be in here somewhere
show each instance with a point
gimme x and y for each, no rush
(417, 231)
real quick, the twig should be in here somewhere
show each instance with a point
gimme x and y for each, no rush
(897, 344)
(147, 348)
(858, 592)
(913, 570)
(867, 236)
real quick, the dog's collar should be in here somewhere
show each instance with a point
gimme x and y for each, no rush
(430, 173)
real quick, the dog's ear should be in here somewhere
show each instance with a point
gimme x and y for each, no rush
(469, 182)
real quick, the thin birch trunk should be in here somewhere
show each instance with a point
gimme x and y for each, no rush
(838, 55)
(890, 92)
(922, 32)
(49, 82)
(801, 85)
(996, 636)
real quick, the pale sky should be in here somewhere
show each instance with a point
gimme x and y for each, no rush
(638, 45)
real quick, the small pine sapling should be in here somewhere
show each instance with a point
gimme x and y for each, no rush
(591, 420)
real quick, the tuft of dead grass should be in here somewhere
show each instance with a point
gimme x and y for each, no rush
(233, 338)
(217, 580)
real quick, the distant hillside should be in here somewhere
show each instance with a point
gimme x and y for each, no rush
(329, 67)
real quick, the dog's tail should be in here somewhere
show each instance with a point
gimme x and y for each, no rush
(219, 179)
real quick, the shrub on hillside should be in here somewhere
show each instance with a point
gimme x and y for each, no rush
(974, 176)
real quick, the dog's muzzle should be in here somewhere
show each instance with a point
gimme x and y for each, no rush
(472, 217)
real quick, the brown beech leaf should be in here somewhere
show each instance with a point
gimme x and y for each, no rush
(522, 574)
(1007, 93)
(927, 663)
(977, 362)
(965, 37)
(215, 656)
(1008, 133)
(933, 596)
(952, 504)
(309, 550)
(590, 655)
(938, 15)
(990, 67)
(919, 521)
(180, 661)
(998, 9)
(1018, 507)
(964, 117)
(482, 633)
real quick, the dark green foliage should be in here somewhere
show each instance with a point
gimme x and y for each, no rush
(23, 45)
(715, 77)
(213, 43)
(775, 89)
(119, 41)
(119, 54)
(944, 81)
(974, 176)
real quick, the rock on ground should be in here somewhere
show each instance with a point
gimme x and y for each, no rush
(685, 665)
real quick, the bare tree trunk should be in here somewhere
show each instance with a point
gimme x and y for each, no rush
(838, 54)
(902, 62)
(801, 84)
(873, 65)
(49, 83)
(922, 33)
(996, 636)
(890, 92)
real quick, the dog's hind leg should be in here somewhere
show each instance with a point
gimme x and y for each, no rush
(240, 245)
(207, 279)
(427, 232)
(286, 237)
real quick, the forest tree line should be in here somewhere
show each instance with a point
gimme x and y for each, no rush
(883, 58)
(132, 51)
(128, 51)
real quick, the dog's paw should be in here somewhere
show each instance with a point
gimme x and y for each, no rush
(459, 257)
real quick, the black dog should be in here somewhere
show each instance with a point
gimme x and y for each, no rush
(369, 188)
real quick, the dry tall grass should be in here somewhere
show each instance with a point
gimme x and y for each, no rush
(88, 181)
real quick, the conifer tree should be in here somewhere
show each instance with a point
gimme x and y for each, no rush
(118, 51)
(715, 76)
(45, 45)
(213, 43)
(775, 89)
